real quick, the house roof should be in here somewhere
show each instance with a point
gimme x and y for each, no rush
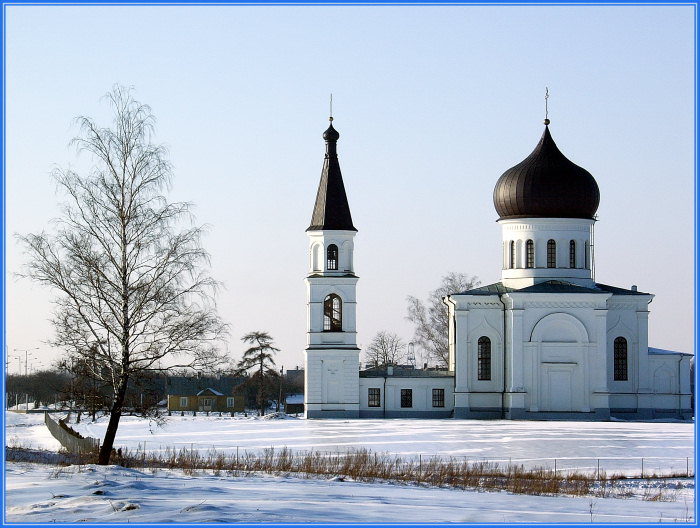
(211, 391)
(294, 399)
(188, 385)
(331, 210)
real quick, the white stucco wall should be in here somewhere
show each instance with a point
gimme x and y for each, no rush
(540, 230)
(422, 394)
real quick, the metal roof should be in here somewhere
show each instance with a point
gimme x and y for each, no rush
(546, 185)
(551, 286)
(380, 372)
(620, 291)
(490, 289)
(662, 352)
(331, 210)
(556, 286)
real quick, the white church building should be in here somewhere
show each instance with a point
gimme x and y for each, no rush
(546, 342)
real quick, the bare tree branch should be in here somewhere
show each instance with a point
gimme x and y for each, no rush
(430, 318)
(131, 293)
(385, 349)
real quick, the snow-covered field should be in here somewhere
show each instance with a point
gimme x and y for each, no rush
(112, 494)
(39, 493)
(614, 446)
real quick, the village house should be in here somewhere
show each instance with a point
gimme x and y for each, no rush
(206, 400)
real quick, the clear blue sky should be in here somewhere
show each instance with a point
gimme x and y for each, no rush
(432, 104)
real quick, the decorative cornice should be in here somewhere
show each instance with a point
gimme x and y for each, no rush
(559, 304)
(546, 227)
(631, 305)
(480, 304)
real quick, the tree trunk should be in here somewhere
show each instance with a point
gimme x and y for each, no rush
(261, 393)
(114, 416)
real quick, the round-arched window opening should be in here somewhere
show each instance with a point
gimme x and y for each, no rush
(332, 314)
(332, 257)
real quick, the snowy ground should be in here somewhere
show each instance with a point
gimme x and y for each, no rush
(36, 494)
(613, 446)
(40, 493)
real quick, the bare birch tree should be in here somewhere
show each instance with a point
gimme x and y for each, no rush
(385, 349)
(430, 319)
(127, 266)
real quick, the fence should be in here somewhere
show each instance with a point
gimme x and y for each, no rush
(597, 467)
(70, 442)
(642, 467)
(630, 467)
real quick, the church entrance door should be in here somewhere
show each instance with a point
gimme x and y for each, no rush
(559, 390)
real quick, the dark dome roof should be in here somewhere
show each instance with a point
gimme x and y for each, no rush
(331, 134)
(546, 185)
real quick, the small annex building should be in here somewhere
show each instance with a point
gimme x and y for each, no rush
(546, 341)
(206, 400)
(294, 404)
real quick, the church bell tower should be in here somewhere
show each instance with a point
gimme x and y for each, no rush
(332, 358)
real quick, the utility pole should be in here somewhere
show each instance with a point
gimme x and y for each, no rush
(26, 361)
(279, 399)
(26, 358)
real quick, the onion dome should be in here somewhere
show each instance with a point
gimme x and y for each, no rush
(331, 134)
(546, 185)
(331, 210)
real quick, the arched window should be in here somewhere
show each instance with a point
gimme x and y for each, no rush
(332, 254)
(530, 254)
(551, 253)
(332, 314)
(512, 254)
(317, 257)
(572, 253)
(620, 351)
(484, 358)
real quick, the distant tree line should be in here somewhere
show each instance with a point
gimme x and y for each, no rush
(70, 385)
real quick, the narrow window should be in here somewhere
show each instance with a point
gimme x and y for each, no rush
(333, 314)
(588, 255)
(551, 253)
(438, 397)
(572, 253)
(183, 401)
(332, 254)
(229, 402)
(374, 398)
(512, 254)
(406, 397)
(620, 350)
(484, 358)
(530, 254)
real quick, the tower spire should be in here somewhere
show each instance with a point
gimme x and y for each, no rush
(546, 109)
(331, 210)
